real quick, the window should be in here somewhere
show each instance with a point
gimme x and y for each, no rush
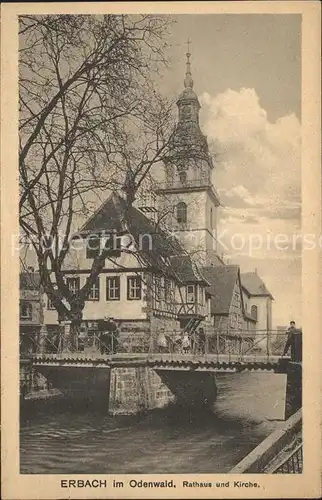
(94, 293)
(183, 177)
(50, 304)
(254, 312)
(182, 212)
(201, 296)
(93, 246)
(190, 294)
(134, 288)
(73, 285)
(162, 288)
(113, 288)
(211, 219)
(26, 311)
(157, 288)
(168, 289)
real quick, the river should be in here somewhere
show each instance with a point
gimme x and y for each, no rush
(56, 440)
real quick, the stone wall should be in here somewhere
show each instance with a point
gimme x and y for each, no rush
(136, 389)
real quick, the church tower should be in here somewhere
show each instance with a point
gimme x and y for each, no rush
(188, 198)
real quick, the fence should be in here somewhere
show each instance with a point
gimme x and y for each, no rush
(293, 463)
(232, 345)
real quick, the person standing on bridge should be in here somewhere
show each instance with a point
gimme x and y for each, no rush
(115, 335)
(294, 341)
(186, 343)
(162, 341)
(201, 341)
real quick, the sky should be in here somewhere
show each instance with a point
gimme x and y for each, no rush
(247, 75)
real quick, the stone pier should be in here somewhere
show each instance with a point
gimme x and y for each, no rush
(142, 388)
(137, 389)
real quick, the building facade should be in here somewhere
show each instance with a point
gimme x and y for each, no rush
(258, 301)
(31, 316)
(148, 283)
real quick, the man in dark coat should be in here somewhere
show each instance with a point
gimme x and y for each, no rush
(294, 341)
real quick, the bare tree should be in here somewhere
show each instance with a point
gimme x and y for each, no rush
(91, 121)
(89, 118)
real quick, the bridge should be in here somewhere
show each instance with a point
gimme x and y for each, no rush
(188, 373)
(236, 351)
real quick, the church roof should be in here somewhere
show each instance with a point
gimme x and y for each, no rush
(222, 281)
(188, 94)
(254, 285)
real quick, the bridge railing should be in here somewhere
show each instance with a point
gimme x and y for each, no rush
(60, 343)
(292, 463)
(233, 345)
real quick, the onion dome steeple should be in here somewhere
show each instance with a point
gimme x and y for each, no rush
(188, 141)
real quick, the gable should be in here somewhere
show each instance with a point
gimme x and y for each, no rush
(254, 285)
(222, 281)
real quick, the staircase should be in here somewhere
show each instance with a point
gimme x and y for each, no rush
(193, 324)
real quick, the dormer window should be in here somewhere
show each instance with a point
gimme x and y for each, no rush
(182, 212)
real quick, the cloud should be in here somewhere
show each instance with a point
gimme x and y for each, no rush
(238, 196)
(257, 162)
(284, 212)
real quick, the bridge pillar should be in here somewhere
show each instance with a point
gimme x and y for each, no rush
(136, 389)
(293, 400)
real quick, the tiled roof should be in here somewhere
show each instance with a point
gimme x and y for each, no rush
(29, 281)
(108, 217)
(157, 246)
(217, 261)
(254, 285)
(222, 281)
(186, 270)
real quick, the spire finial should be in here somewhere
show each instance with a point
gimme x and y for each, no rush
(188, 81)
(188, 45)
